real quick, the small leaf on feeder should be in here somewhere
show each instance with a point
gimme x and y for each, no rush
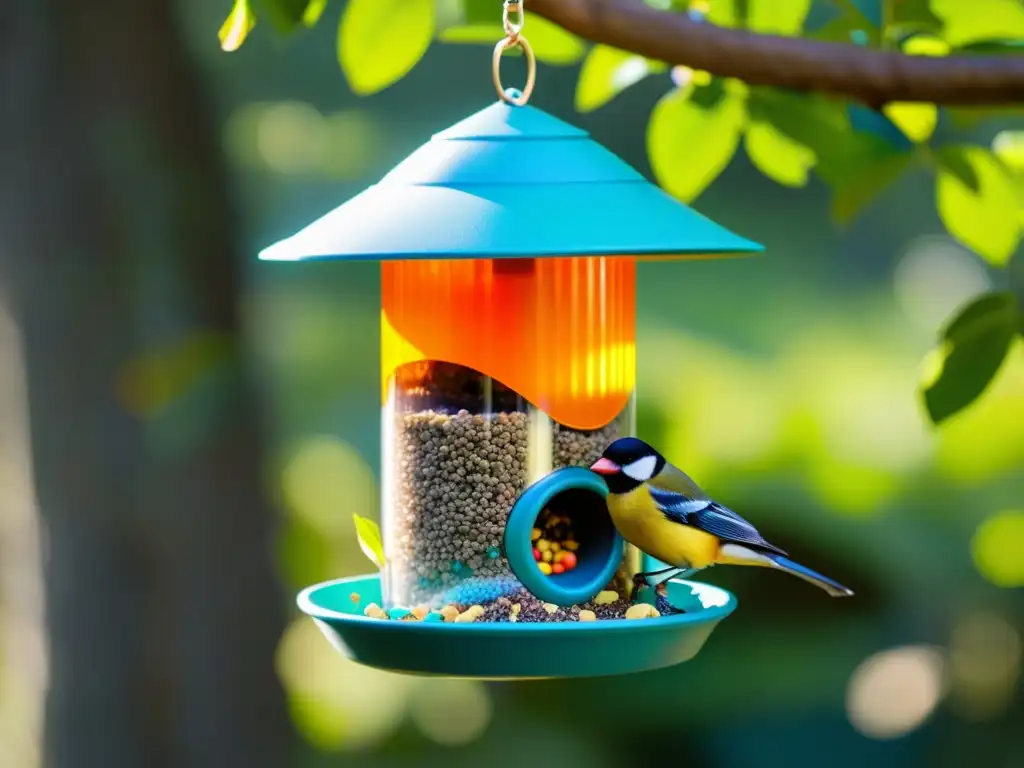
(982, 215)
(972, 349)
(380, 41)
(368, 534)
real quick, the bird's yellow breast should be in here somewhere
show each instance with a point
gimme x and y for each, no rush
(643, 525)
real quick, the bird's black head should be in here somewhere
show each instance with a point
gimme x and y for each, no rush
(627, 464)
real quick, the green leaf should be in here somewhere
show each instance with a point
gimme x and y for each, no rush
(368, 533)
(778, 17)
(380, 41)
(608, 71)
(822, 125)
(778, 156)
(1008, 146)
(972, 349)
(551, 43)
(912, 16)
(967, 118)
(284, 15)
(864, 182)
(978, 20)
(844, 28)
(925, 45)
(727, 13)
(314, 10)
(916, 120)
(984, 215)
(689, 145)
(474, 34)
(237, 26)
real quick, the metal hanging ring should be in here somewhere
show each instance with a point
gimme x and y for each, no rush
(512, 29)
(520, 99)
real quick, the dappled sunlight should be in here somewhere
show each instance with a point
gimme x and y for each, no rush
(336, 703)
(933, 277)
(294, 138)
(986, 441)
(451, 712)
(325, 481)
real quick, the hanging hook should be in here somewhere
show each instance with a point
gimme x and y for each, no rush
(509, 9)
(513, 9)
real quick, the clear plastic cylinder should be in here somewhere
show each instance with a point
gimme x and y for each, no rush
(460, 445)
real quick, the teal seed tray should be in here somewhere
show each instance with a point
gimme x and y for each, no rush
(506, 651)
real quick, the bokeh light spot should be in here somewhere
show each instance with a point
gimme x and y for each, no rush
(325, 482)
(451, 712)
(334, 702)
(893, 692)
(998, 549)
(934, 277)
(985, 663)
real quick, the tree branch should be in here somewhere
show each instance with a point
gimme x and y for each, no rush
(870, 76)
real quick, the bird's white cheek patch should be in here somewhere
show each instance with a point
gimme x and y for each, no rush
(641, 470)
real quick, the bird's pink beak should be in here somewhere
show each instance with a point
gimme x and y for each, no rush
(604, 466)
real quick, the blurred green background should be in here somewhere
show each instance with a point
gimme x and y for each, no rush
(786, 384)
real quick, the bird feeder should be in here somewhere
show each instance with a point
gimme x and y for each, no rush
(508, 246)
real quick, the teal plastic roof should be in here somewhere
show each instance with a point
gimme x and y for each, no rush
(509, 181)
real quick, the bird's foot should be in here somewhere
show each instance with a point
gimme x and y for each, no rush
(639, 584)
(665, 608)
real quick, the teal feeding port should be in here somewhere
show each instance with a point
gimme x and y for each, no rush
(508, 246)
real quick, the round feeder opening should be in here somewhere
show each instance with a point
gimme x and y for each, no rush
(562, 520)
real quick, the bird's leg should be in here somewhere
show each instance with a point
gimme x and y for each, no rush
(640, 580)
(665, 608)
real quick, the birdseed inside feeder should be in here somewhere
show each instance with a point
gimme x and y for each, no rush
(508, 247)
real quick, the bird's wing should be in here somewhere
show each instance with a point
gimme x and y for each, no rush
(682, 501)
(728, 526)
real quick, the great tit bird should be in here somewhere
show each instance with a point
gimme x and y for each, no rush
(663, 512)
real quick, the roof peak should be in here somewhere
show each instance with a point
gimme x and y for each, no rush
(501, 121)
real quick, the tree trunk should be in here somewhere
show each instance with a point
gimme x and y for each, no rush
(115, 240)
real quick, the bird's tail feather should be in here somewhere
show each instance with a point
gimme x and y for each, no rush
(834, 588)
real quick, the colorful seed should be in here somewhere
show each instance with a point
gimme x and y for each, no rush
(545, 568)
(642, 611)
(535, 534)
(568, 560)
(537, 555)
(557, 568)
